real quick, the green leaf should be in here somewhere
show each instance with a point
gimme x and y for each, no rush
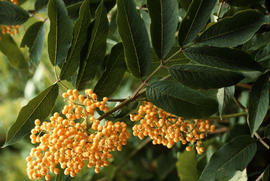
(231, 157)
(177, 99)
(34, 40)
(74, 10)
(135, 38)
(266, 174)
(40, 4)
(224, 97)
(266, 131)
(11, 14)
(187, 166)
(79, 39)
(38, 108)
(204, 77)
(195, 20)
(114, 72)
(240, 176)
(225, 58)
(9, 48)
(257, 41)
(96, 48)
(184, 4)
(60, 35)
(164, 22)
(263, 56)
(258, 103)
(233, 31)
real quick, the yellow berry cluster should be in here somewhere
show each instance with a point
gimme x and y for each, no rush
(74, 139)
(167, 129)
(13, 29)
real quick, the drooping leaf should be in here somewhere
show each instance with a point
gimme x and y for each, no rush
(231, 157)
(9, 48)
(195, 20)
(266, 174)
(135, 38)
(38, 108)
(164, 22)
(177, 99)
(233, 31)
(204, 77)
(225, 58)
(34, 40)
(258, 103)
(96, 48)
(224, 97)
(187, 166)
(40, 4)
(114, 72)
(79, 39)
(11, 14)
(60, 35)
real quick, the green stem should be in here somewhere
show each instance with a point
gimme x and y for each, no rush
(228, 116)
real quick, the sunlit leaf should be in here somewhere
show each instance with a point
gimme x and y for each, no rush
(10, 49)
(187, 166)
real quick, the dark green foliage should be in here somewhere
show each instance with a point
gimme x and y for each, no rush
(164, 22)
(34, 40)
(233, 156)
(258, 103)
(135, 39)
(38, 108)
(195, 20)
(96, 48)
(79, 39)
(11, 14)
(232, 31)
(114, 72)
(60, 35)
(205, 77)
(40, 4)
(224, 97)
(266, 174)
(225, 58)
(182, 101)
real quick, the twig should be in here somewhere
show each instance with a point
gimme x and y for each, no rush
(116, 100)
(228, 116)
(260, 177)
(246, 86)
(220, 130)
(219, 9)
(239, 104)
(125, 102)
(261, 140)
